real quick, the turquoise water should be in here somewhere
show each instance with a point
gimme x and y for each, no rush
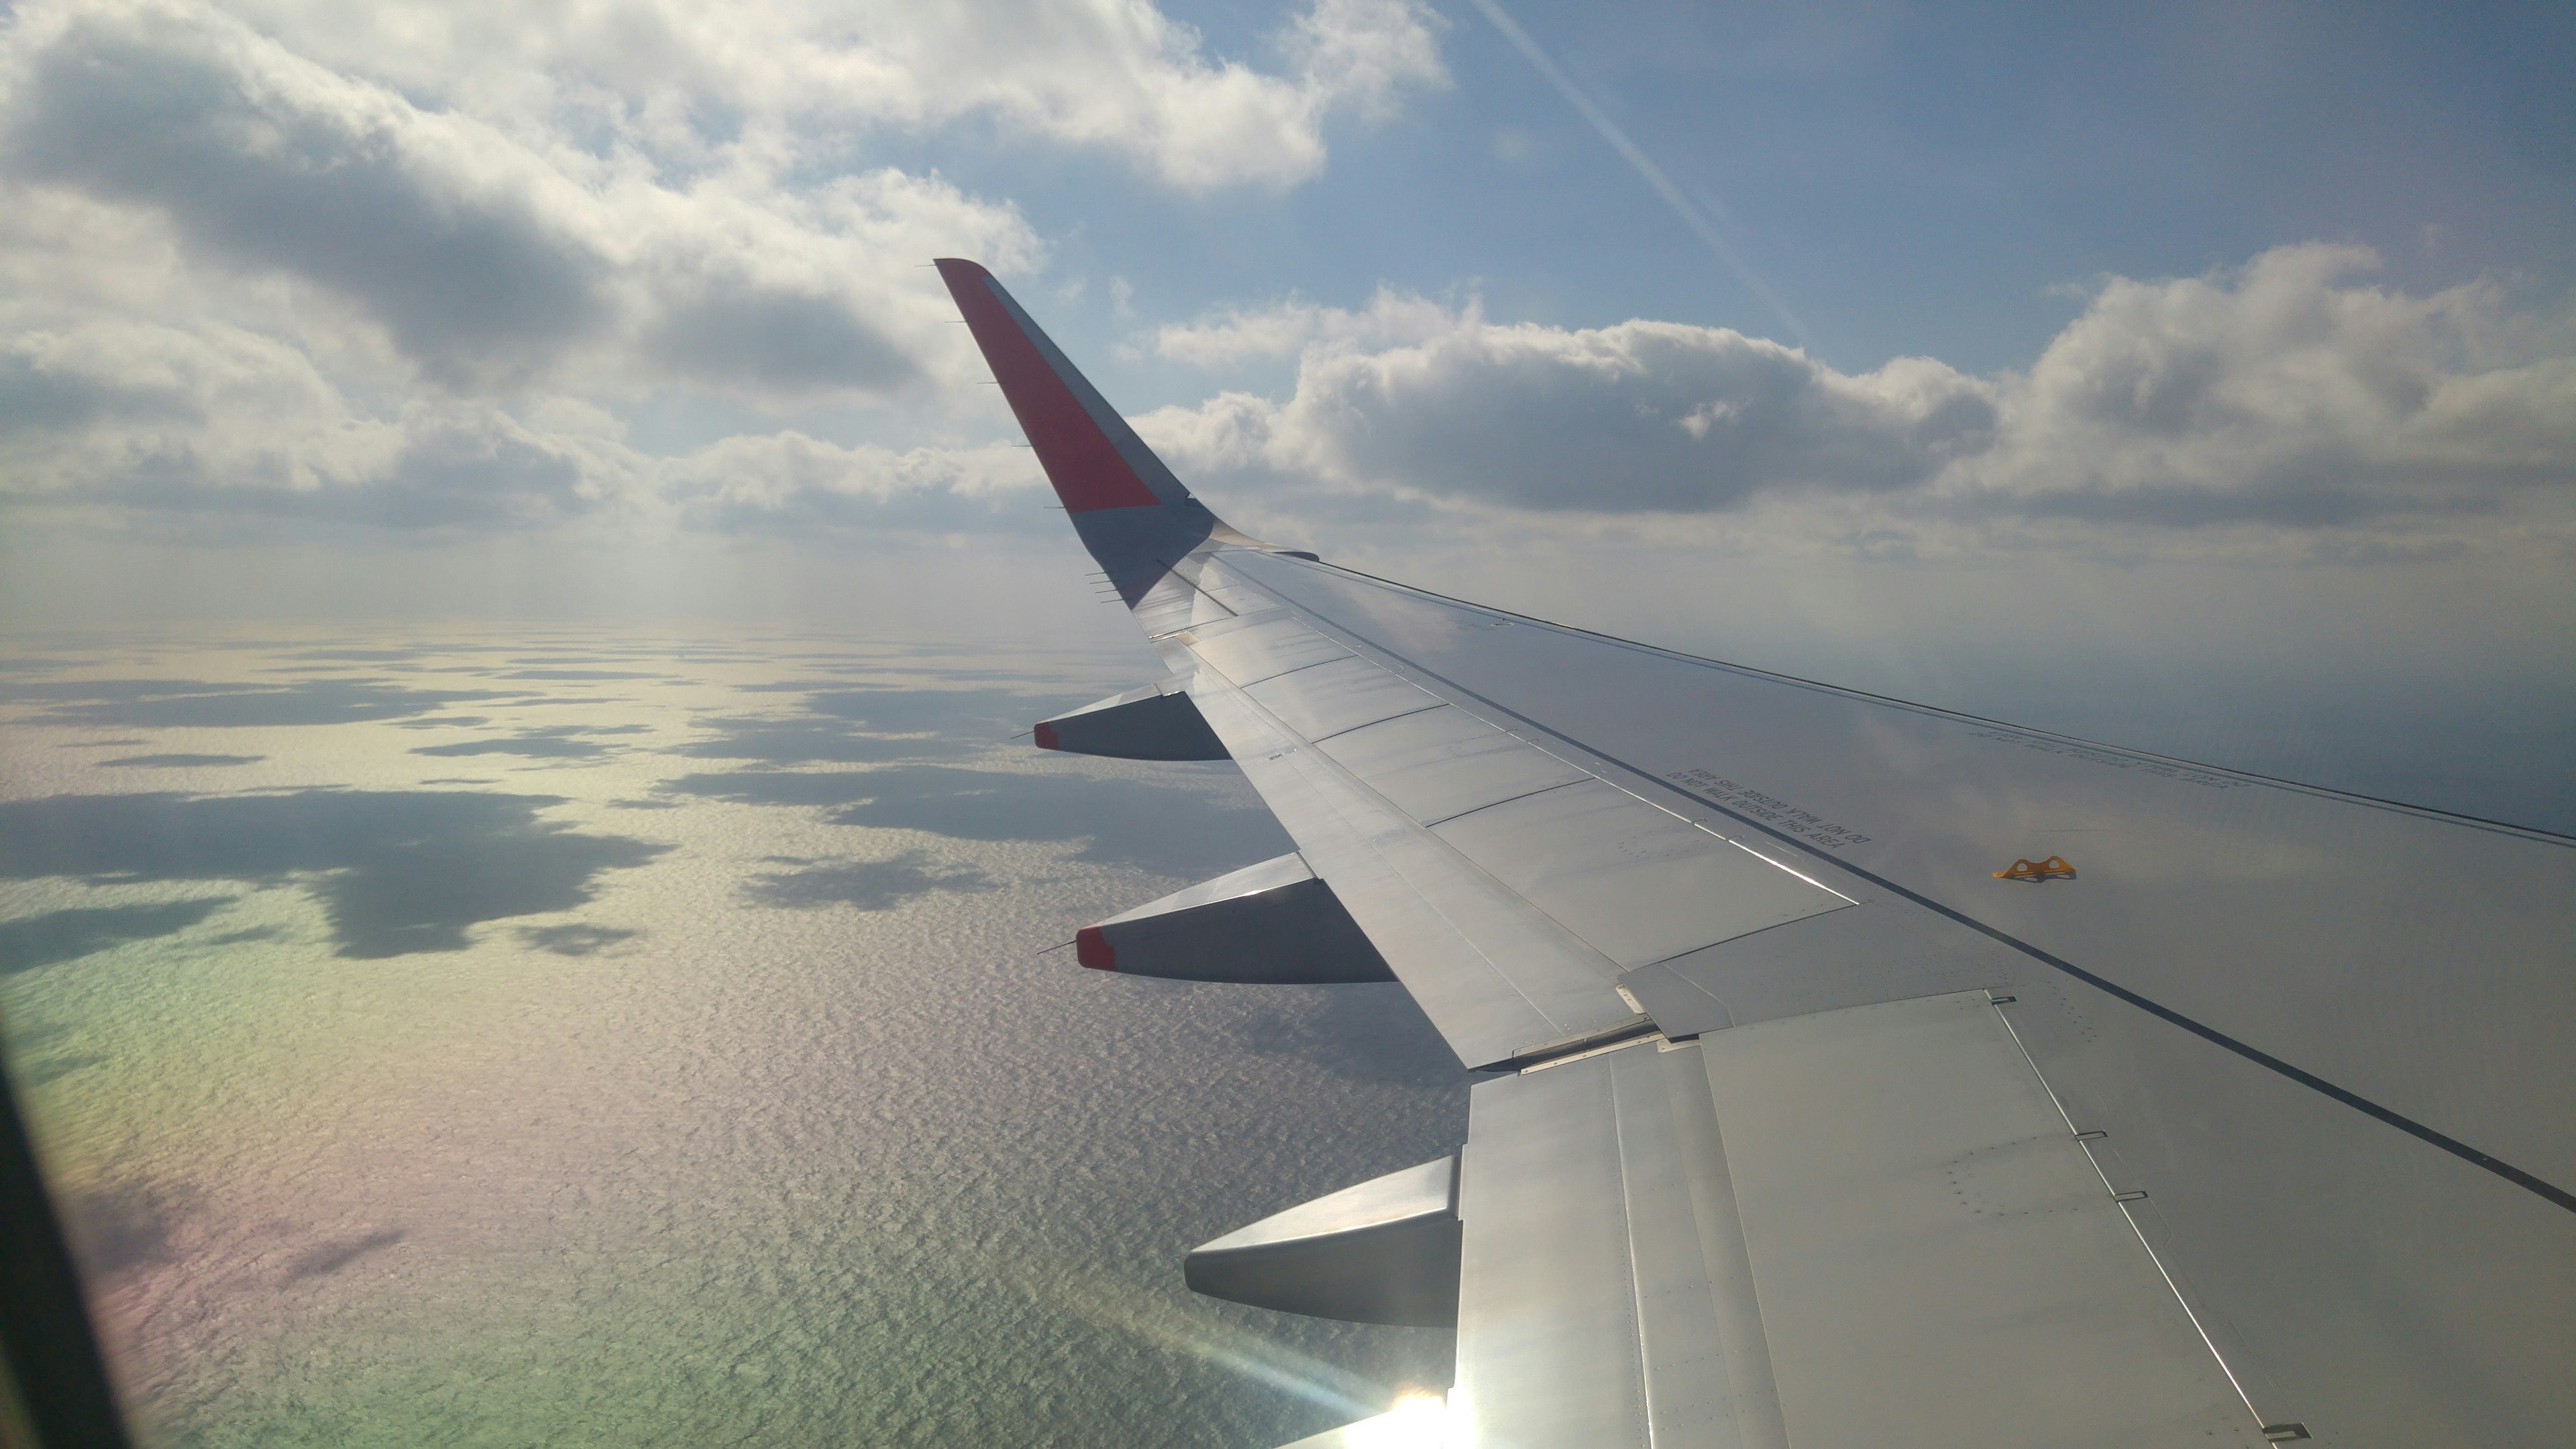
(594, 1037)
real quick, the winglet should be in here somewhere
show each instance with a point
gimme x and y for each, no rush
(1075, 433)
(1133, 515)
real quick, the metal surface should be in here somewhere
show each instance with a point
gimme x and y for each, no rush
(1156, 722)
(1938, 1261)
(1255, 647)
(1172, 603)
(1883, 950)
(1267, 924)
(1604, 1298)
(1441, 762)
(1634, 881)
(1337, 695)
(1492, 971)
(1382, 1251)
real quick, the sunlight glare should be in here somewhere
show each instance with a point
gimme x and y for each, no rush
(1418, 1421)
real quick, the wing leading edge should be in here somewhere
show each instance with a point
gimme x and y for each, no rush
(1809, 1123)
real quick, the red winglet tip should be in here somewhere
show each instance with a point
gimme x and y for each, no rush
(1045, 733)
(1092, 949)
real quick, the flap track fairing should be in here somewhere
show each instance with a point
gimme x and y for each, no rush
(1270, 924)
(1384, 1251)
(1157, 722)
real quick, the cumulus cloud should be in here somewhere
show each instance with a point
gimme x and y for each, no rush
(2285, 393)
(1118, 76)
(1288, 329)
(1643, 415)
(451, 235)
(253, 433)
(484, 260)
(792, 484)
(421, 266)
(416, 264)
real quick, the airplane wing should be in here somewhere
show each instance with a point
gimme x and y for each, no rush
(1858, 1072)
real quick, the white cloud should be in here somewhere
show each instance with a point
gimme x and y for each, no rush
(1643, 415)
(1115, 75)
(792, 484)
(2283, 393)
(2282, 398)
(125, 423)
(118, 421)
(414, 264)
(485, 262)
(407, 263)
(1292, 327)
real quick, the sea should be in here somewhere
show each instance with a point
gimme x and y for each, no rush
(584, 1036)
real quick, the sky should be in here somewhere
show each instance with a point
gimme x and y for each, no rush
(1819, 336)
(1882, 315)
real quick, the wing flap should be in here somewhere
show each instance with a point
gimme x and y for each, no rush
(1868, 1226)
(1939, 1261)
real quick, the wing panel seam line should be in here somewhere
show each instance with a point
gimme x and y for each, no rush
(2126, 1215)
(1295, 669)
(1436, 703)
(1302, 760)
(1645, 1392)
(1508, 799)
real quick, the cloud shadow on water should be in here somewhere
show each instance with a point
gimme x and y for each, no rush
(814, 741)
(183, 703)
(32, 1074)
(67, 935)
(577, 938)
(870, 885)
(1160, 828)
(1367, 1033)
(115, 1228)
(578, 674)
(331, 1257)
(178, 762)
(395, 871)
(540, 746)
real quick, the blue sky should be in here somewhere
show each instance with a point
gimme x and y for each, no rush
(1906, 181)
(2235, 333)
